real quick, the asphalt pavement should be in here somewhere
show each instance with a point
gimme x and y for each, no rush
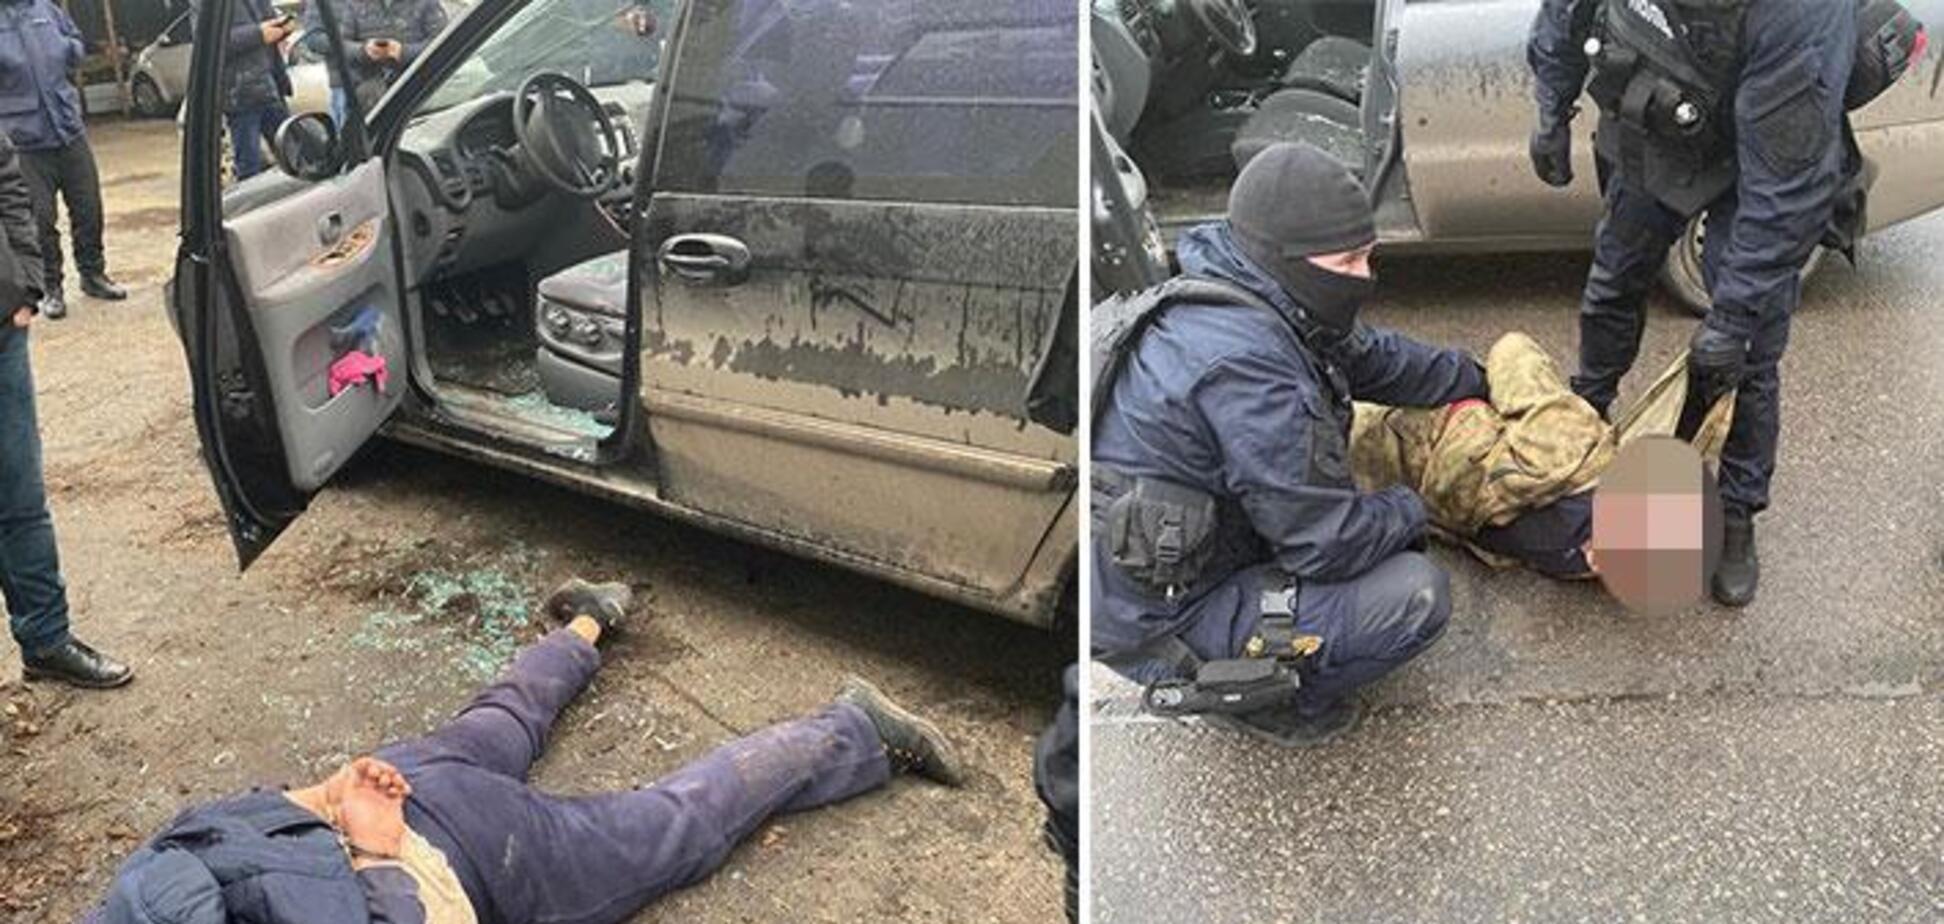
(1556, 758)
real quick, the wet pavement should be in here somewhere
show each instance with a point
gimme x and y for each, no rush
(1557, 758)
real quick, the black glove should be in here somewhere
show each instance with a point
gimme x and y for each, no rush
(1717, 356)
(1552, 150)
(1717, 361)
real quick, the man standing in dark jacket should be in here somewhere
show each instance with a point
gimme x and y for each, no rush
(256, 82)
(1758, 144)
(380, 38)
(41, 112)
(30, 567)
(446, 829)
(1251, 407)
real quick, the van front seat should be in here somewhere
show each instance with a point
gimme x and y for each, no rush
(581, 319)
(1331, 64)
(1322, 120)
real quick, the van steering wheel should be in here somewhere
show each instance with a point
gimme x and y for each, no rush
(567, 136)
(1229, 22)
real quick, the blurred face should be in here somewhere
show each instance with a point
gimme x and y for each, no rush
(1653, 517)
(1347, 263)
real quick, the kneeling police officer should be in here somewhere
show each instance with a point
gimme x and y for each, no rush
(1734, 108)
(1236, 567)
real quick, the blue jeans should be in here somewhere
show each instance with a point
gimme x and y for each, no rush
(526, 857)
(250, 130)
(30, 567)
(340, 107)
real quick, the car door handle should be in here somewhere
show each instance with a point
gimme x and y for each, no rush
(330, 229)
(706, 259)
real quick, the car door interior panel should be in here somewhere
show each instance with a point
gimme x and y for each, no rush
(316, 276)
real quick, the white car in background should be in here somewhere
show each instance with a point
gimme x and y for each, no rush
(161, 71)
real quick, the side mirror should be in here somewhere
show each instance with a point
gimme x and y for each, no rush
(306, 147)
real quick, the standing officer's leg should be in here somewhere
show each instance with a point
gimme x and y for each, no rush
(30, 566)
(42, 169)
(1629, 249)
(1748, 458)
(81, 190)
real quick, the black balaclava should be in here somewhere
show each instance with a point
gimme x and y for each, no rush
(1293, 201)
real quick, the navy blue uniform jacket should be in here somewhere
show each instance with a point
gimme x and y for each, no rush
(1231, 401)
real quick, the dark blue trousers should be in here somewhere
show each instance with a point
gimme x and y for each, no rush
(250, 130)
(30, 567)
(1629, 248)
(526, 857)
(1370, 625)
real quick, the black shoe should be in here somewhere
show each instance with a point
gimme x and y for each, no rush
(53, 306)
(606, 604)
(913, 744)
(1740, 569)
(1286, 728)
(77, 665)
(98, 285)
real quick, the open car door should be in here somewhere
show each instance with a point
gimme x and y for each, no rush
(286, 296)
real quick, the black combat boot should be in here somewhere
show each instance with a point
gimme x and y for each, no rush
(76, 665)
(913, 744)
(606, 604)
(1289, 729)
(98, 285)
(1740, 570)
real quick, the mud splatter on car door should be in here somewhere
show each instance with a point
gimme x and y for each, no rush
(859, 239)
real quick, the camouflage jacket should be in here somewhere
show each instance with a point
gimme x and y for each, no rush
(1480, 464)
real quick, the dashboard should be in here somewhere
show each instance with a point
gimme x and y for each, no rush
(470, 197)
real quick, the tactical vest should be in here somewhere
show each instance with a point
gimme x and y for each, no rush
(1164, 536)
(1664, 73)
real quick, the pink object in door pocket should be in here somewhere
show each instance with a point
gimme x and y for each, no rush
(356, 368)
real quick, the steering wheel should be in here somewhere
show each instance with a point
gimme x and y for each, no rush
(569, 140)
(1229, 22)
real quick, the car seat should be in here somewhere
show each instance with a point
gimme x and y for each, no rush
(1331, 64)
(1313, 116)
(581, 321)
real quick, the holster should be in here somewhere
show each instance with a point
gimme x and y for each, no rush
(1265, 677)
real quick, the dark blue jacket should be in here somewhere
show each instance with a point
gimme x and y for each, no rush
(412, 23)
(256, 858)
(1233, 402)
(40, 109)
(254, 73)
(1788, 123)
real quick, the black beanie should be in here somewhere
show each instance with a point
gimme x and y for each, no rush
(1293, 200)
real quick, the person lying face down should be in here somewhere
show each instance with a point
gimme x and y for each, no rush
(1511, 478)
(445, 829)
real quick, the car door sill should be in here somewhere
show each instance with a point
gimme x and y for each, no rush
(630, 484)
(955, 459)
(489, 413)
